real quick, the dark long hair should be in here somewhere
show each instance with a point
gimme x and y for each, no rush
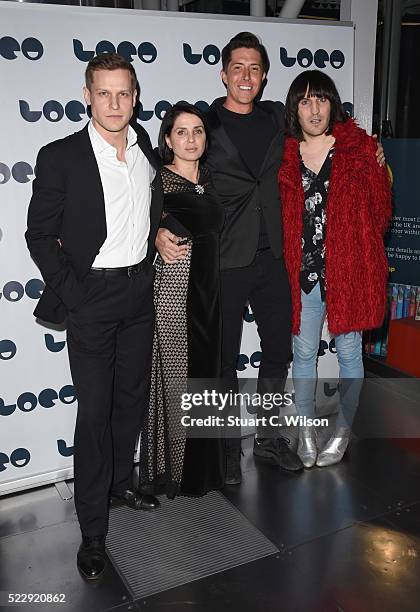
(318, 84)
(166, 154)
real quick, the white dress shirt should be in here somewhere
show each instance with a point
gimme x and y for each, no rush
(127, 193)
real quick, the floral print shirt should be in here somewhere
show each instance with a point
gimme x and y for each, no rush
(315, 187)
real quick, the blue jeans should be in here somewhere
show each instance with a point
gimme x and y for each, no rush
(305, 356)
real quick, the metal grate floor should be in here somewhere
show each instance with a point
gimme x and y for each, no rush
(185, 540)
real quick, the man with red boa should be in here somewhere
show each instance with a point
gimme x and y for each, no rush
(336, 207)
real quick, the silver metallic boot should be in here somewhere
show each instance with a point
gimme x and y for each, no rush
(307, 450)
(335, 448)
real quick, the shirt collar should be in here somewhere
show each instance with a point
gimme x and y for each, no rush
(99, 143)
(131, 137)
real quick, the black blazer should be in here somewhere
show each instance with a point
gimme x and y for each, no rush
(66, 219)
(242, 193)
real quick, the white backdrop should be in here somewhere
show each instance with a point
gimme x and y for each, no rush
(43, 55)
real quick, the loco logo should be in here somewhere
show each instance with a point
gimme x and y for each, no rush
(27, 401)
(146, 51)
(255, 359)
(19, 458)
(210, 54)
(348, 107)
(325, 346)
(162, 106)
(20, 171)
(64, 450)
(52, 345)
(53, 111)
(247, 315)
(331, 389)
(13, 291)
(31, 48)
(305, 58)
(7, 349)
(243, 360)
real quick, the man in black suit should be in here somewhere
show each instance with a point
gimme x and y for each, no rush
(92, 223)
(244, 156)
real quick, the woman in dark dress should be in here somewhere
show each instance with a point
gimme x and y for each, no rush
(187, 335)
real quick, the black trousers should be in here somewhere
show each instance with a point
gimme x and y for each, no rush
(264, 283)
(110, 344)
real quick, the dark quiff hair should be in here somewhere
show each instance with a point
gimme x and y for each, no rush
(168, 121)
(312, 83)
(109, 61)
(249, 41)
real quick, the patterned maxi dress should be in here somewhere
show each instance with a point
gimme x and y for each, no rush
(187, 342)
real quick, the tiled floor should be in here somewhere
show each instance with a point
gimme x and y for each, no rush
(349, 537)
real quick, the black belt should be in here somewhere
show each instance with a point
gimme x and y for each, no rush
(124, 271)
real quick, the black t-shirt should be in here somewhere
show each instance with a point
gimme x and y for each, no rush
(251, 134)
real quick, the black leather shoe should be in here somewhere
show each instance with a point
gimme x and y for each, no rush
(91, 558)
(276, 451)
(135, 500)
(233, 474)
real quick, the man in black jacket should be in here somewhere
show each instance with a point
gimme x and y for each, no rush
(244, 157)
(92, 222)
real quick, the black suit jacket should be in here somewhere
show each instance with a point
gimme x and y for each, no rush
(242, 193)
(66, 219)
